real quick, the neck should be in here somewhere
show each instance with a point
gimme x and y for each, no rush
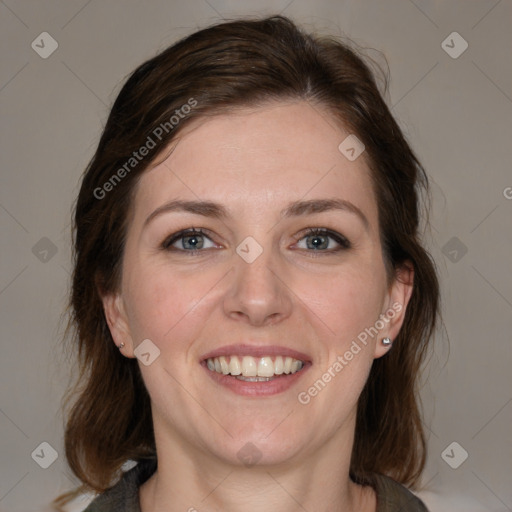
(187, 480)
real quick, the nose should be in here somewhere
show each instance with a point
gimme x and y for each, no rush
(257, 293)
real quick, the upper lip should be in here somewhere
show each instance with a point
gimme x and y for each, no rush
(256, 351)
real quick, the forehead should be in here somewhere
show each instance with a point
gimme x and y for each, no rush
(259, 158)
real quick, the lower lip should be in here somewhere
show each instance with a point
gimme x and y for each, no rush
(262, 388)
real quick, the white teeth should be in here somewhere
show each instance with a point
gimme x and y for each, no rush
(279, 365)
(234, 366)
(224, 365)
(254, 379)
(253, 369)
(265, 367)
(249, 367)
(296, 366)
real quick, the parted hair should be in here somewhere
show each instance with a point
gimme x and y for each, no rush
(235, 64)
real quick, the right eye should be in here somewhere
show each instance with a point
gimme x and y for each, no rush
(189, 241)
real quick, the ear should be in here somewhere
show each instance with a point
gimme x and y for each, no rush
(117, 321)
(395, 305)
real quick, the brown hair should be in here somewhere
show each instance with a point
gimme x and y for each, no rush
(235, 64)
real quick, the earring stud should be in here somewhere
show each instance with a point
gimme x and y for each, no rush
(387, 342)
(120, 346)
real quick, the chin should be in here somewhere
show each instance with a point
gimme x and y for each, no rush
(257, 445)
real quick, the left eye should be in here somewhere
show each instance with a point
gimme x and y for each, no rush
(318, 239)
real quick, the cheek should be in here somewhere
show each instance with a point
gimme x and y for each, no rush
(350, 303)
(347, 302)
(165, 306)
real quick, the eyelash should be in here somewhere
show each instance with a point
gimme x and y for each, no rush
(338, 238)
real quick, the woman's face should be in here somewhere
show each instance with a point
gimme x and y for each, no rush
(255, 288)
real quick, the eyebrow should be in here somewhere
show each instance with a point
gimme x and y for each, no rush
(294, 209)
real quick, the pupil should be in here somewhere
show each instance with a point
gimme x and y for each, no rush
(317, 242)
(193, 240)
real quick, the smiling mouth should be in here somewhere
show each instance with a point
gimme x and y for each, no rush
(254, 369)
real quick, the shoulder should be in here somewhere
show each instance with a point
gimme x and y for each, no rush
(394, 497)
(124, 496)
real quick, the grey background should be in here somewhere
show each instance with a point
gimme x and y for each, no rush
(456, 112)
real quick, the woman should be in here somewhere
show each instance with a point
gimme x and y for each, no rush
(251, 298)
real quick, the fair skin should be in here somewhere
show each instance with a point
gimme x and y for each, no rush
(254, 163)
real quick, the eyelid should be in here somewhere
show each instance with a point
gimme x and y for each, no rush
(174, 237)
(340, 239)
